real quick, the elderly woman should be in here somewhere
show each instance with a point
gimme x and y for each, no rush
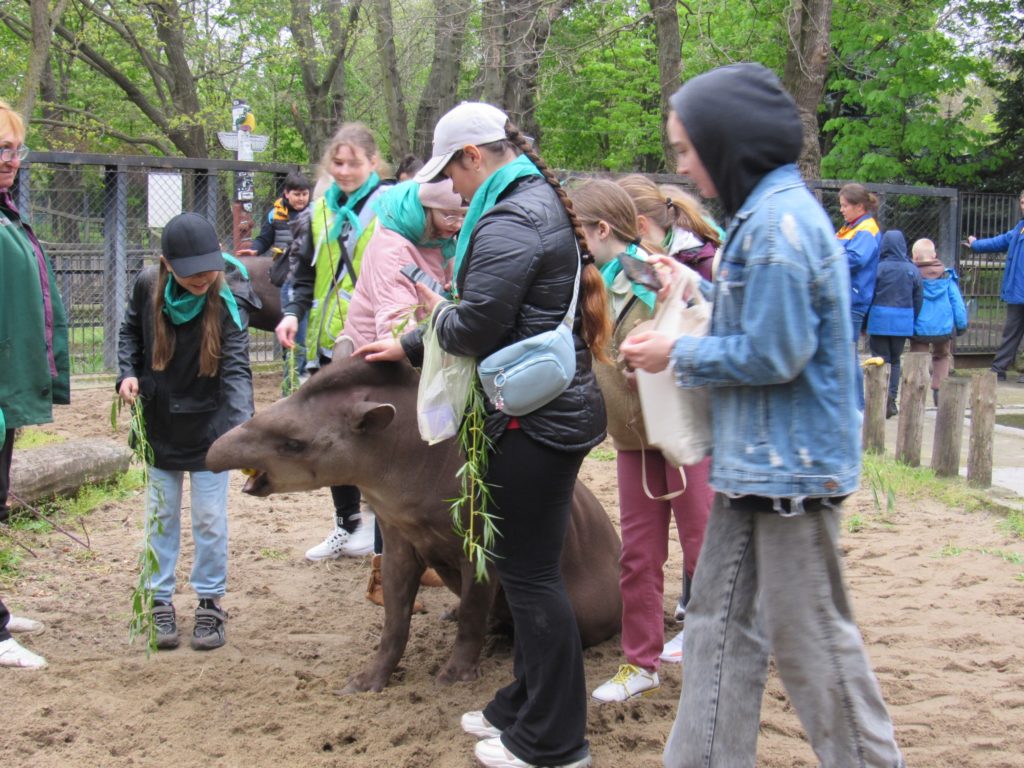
(33, 343)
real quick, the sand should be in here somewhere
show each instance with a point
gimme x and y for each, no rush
(937, 594)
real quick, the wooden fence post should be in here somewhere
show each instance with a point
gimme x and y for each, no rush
(914, 385)
(876, 383)
(949, 427)
(983, 422)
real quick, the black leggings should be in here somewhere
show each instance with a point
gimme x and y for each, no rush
(543, 712)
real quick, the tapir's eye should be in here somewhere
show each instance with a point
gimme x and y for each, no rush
(293, 446)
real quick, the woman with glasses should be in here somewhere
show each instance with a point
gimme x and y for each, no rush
(34, 364)
(416, 225)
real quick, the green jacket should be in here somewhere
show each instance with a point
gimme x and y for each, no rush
(27, 388)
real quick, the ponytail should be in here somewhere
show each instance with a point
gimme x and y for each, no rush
(597, 328)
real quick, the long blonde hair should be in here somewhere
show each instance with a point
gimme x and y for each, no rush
(163, 329)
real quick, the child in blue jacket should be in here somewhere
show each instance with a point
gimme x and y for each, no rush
(942, 312)
(894, 307)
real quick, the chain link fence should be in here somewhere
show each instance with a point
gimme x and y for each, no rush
(100, 217)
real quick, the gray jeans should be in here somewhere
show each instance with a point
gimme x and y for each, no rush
(767, 583)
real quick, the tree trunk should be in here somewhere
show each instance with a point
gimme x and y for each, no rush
(492, 36)
(398, 122)
(670, 63)
(807, 57)
(186, 130)
(439, 92)
(62, 469)
(42, 33)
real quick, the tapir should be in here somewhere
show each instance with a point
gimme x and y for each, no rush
(267, 317)
(354, 423)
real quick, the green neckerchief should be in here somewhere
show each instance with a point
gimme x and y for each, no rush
(400, 210)
(181, 306)
(485, 198)
(343, 211)
(611, 270)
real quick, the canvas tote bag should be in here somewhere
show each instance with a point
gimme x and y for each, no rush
(677, 420)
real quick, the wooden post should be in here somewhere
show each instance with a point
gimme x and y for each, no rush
(914, 386)
(983, 422)
(949, 427)
(876, 383)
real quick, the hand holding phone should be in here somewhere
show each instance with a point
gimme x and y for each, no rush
(640, 272)
(414, 275)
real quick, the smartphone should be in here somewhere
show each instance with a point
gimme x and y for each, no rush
(640, 272)
(414, 275)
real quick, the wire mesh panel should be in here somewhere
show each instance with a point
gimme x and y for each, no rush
(100, 218)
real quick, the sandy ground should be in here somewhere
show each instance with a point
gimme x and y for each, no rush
(940, 604)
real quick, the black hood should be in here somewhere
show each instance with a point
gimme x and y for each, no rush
(893, 246)
(742, 123)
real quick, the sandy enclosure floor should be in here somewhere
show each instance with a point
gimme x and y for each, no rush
(942, 613)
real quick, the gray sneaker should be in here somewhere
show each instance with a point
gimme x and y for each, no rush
(166, 626)
(209, 630)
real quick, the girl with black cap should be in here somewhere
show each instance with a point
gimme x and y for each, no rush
(786, 443)
(516, 266)
(184, 350)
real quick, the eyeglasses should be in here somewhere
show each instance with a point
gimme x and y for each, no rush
(453, 218)
(7, 154)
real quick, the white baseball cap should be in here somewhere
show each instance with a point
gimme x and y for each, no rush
(471, 122)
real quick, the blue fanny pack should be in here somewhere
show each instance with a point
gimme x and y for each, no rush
(524, 376)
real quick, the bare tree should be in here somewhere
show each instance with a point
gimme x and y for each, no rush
(809, 24)
(398, 122)
(439, 93)
(670, 62)
(324, 88)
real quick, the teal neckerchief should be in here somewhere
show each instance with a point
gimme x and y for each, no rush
(343, 210)
(400, 210)
(611, 270)
(236, 264)
(485, 198)
(181, 306)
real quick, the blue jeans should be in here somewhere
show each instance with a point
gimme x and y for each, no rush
(209, 515)
(768, 583)
(857, 319)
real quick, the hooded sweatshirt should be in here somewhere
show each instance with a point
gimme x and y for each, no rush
(942, 308)
(897, 299)
(753, 129)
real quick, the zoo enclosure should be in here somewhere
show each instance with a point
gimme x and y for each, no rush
(99, 217)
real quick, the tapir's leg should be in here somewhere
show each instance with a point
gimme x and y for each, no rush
(474, 607)
(400, 573)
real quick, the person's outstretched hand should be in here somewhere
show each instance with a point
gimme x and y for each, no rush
(385, 350)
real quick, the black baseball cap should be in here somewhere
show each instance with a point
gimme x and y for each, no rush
(190, 245)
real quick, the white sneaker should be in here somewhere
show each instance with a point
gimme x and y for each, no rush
(491, 753)
(475, 724)
(331, 547)
(24, 625)
(14, 655)
(360, 541)
(630, 681)
(673, 651)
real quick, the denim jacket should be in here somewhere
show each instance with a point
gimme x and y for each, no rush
(777, 357)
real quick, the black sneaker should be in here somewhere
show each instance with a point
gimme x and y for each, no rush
(209, 630)
(166, 626)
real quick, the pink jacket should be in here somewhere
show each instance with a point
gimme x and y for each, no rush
(383, 298)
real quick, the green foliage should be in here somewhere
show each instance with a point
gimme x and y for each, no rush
(30, 437)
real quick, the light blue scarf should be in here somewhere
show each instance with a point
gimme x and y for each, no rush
(611, 270)
(484, 199)
(400, 210)
(343, 211)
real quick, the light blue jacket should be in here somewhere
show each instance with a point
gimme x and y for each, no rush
(777, 358)
(1013, 278)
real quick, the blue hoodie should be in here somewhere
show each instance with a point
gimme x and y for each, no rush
(898, 295)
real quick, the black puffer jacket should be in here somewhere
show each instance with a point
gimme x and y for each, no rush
(517, 281)
(184, 412)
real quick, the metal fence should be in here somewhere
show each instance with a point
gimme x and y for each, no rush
(99, 218)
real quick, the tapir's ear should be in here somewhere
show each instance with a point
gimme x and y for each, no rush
(372, 417)
(343, 347)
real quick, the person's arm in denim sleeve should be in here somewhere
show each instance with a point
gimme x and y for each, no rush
(778, 339)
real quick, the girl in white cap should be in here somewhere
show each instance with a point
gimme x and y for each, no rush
(516, 267)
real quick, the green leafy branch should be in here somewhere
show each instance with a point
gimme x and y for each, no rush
(141, 623)
(479, 532)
